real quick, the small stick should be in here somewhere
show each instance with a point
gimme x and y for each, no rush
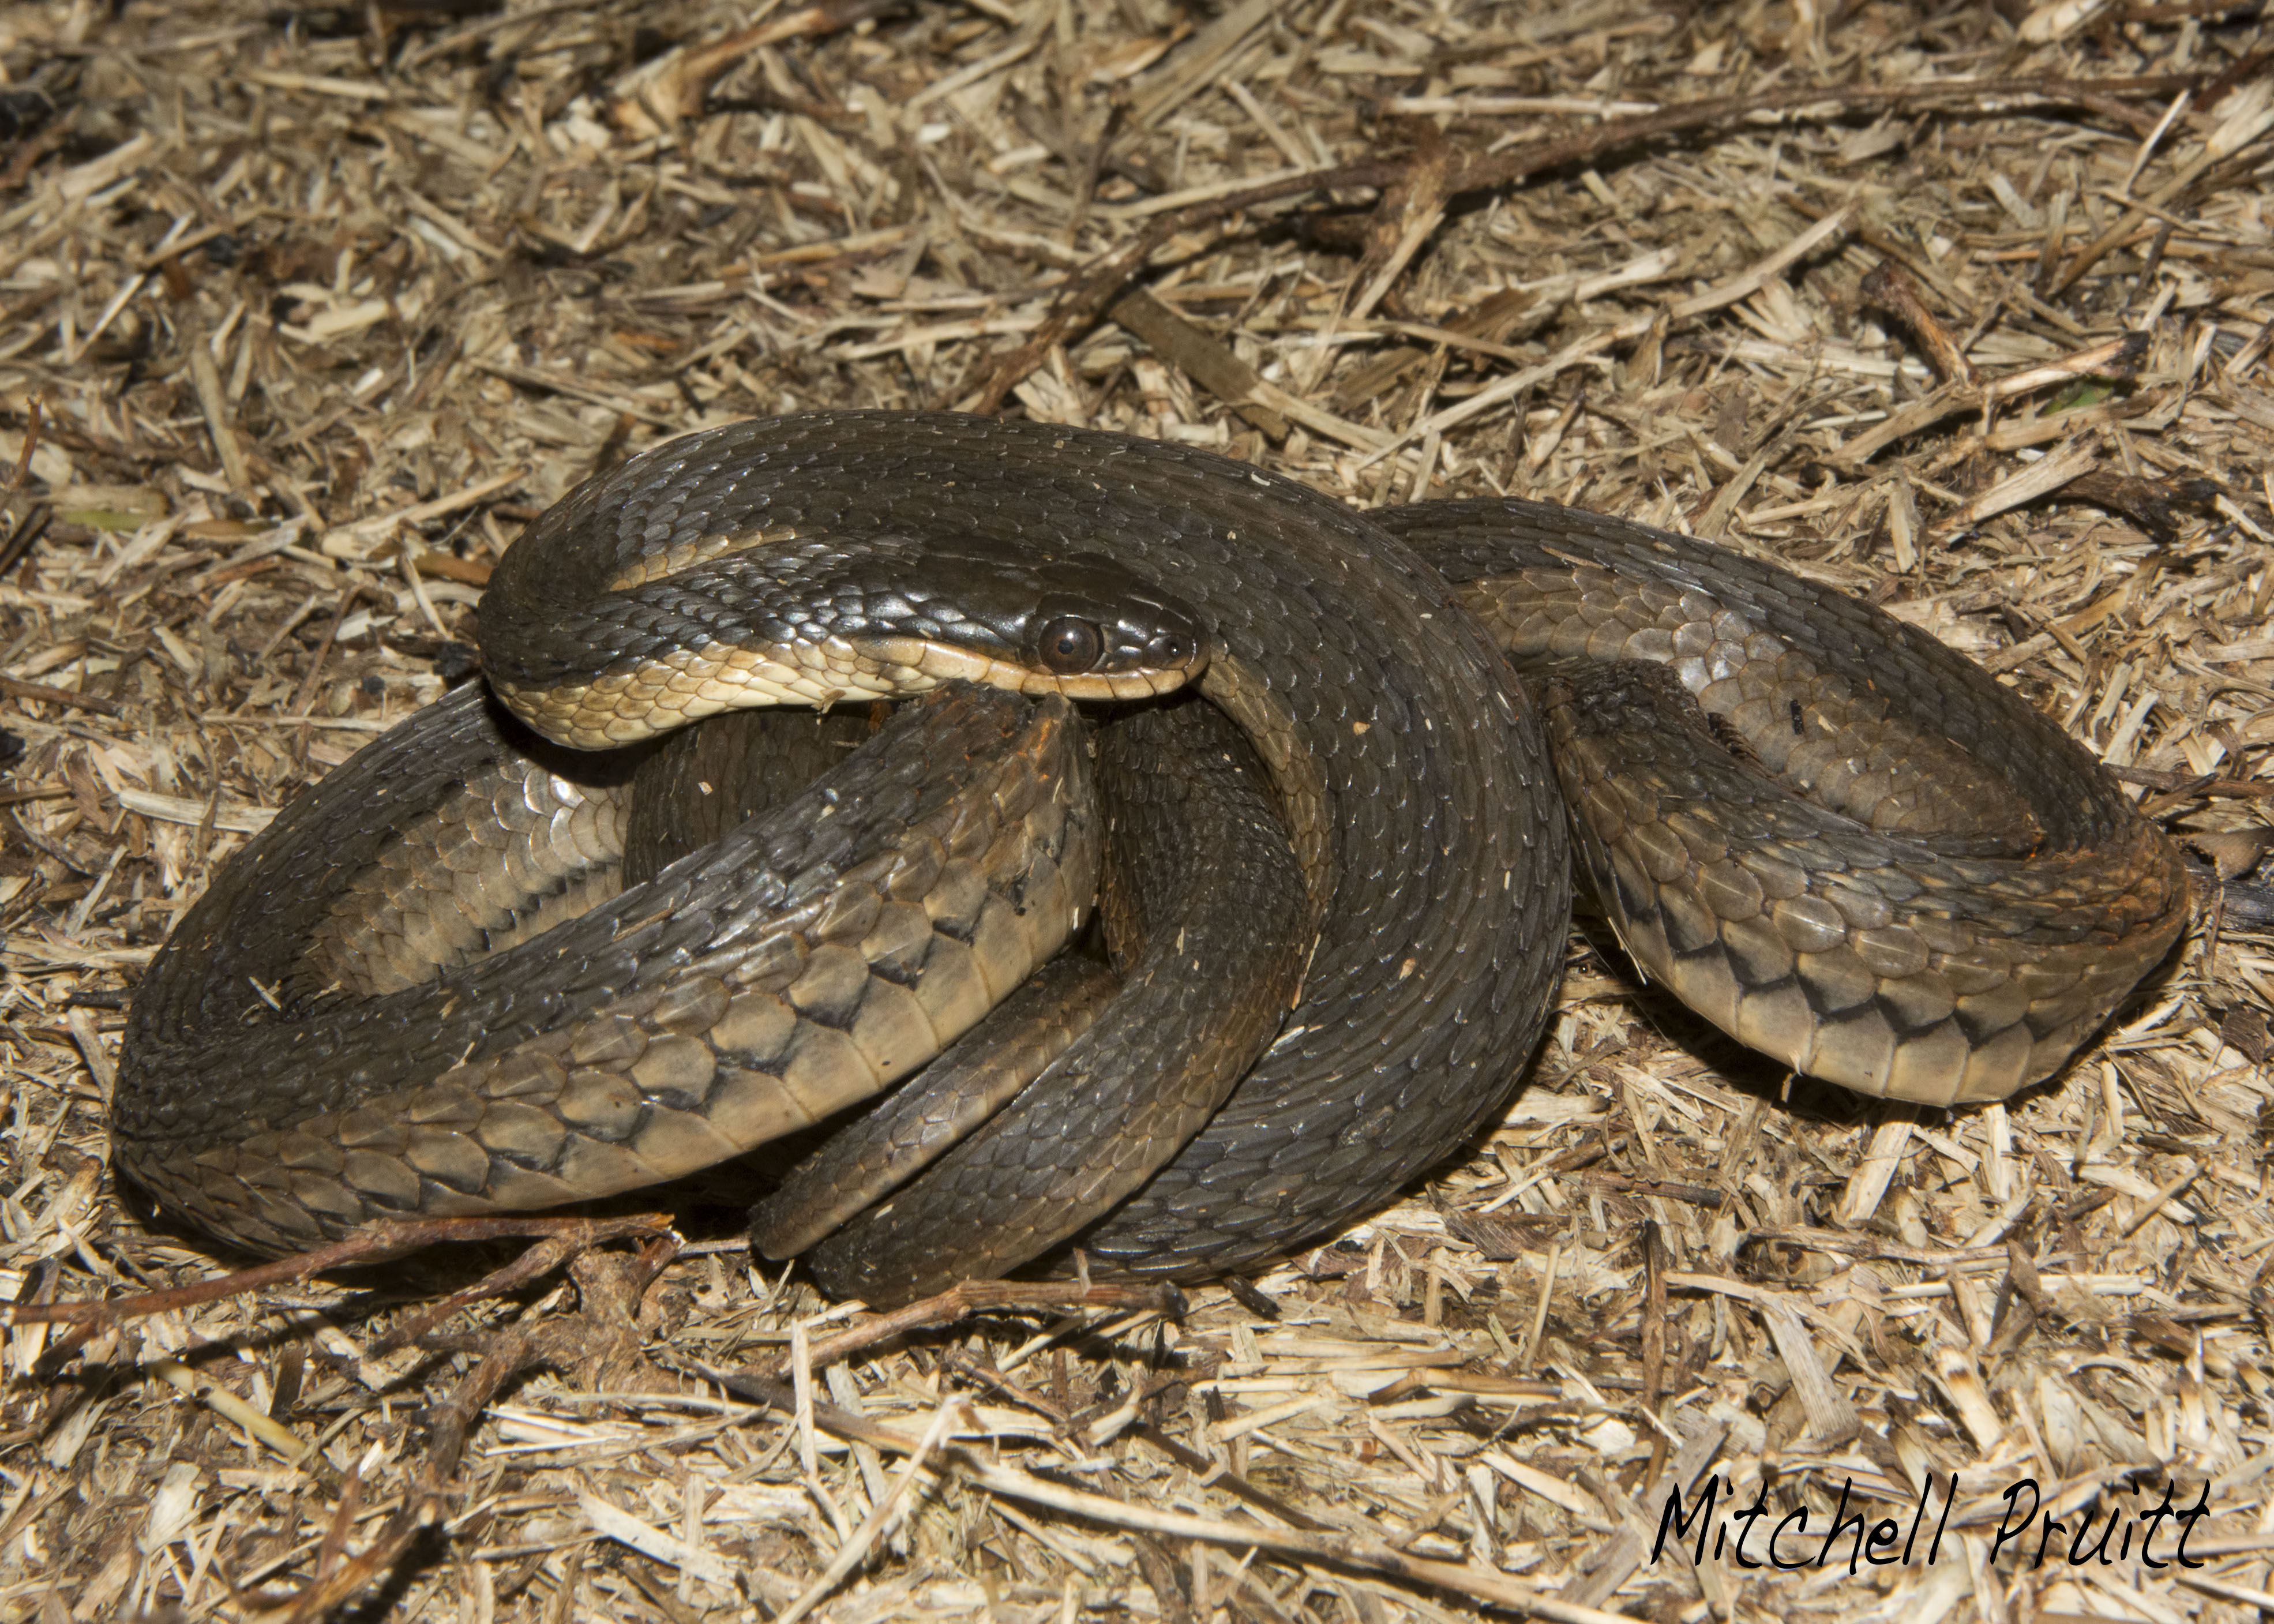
(23, 470)
(1695, 1195)
(374, 1243)
(978, 1297)
(678, 94)
(557, 1343)
(2206, 169)
(538, 1261)
(2190, 784)
(213, 401)
(1656, 1262)
(1887, 287)
(1206, 1471)
(1207, 361)
(15, 687)
(21, 536)
(306, 695)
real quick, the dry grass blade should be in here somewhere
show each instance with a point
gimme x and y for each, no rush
(303, 315)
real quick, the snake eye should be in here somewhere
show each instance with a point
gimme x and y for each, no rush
(1070, 645)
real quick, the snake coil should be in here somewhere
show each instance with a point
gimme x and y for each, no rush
(1939, 901)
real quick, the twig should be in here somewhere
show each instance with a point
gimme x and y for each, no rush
(213, 401)
(22, 535)
(1887, 286)
(2115, 357)
(15, 687)
(1694, 1195)
(1656, 1262)
(1089, 292)
(21, 538)
(374, 1243)
(1208, 363)
(2190, 784)
(556, 1343)
(534, 1264)
(22, 471)
(981, 1296)
(676, 92)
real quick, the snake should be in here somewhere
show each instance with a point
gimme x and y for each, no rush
(1204, 911)
(1938, 899)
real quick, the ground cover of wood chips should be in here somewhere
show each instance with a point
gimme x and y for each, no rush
(306, 311)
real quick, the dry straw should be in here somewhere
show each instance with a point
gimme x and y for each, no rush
(304, 312)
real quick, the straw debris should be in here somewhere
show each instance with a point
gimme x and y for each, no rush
(304, 312)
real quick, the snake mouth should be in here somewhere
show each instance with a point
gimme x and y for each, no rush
(652, 696)
(921, 662)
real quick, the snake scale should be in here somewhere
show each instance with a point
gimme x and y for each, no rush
(427, 988)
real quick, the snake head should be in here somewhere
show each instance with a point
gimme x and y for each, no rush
(1084, 626)
(732, 617)
(1099, 631)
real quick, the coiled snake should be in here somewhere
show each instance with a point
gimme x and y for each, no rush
(415, 993)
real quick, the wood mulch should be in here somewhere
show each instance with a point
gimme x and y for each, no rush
(306, 311)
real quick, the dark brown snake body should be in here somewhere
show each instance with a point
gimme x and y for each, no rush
(1966, 898)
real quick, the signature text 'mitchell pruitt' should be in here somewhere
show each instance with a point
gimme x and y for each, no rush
(1789, 1544)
